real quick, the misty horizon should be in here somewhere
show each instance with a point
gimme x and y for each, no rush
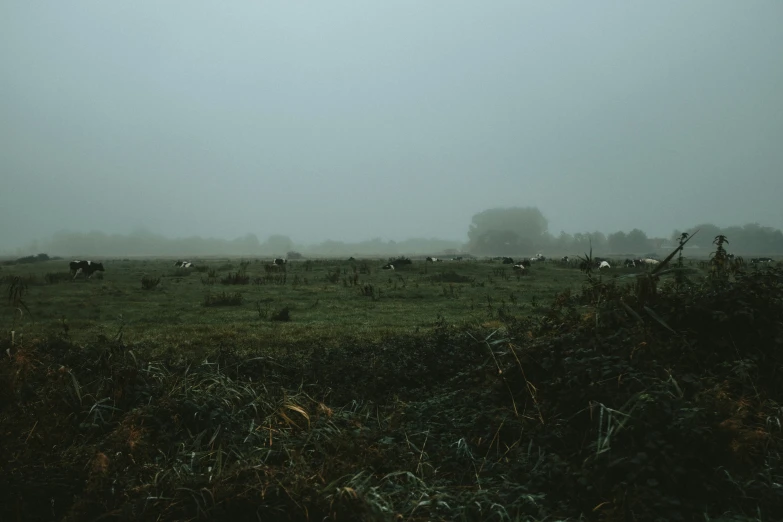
(349, 122)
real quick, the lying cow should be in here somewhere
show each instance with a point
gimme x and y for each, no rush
(183, 264)
(85, 267)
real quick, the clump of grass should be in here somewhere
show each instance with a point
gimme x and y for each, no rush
(239, 278)
(223, 299)
(56, 277)
(284, 314)
(450, 277)
(149, 283)
(27, 280)
(227, 266)
(333, 276)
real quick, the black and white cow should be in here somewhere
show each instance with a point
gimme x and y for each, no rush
(183, 264)
(604, 264)
(519, 266)
(630, 263)
(85, 267)
(279, 262)
(756, 260)
(434, 260)
(458, 258)
(388, 267)
(564, 259)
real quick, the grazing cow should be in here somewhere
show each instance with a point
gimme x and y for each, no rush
(85, 267)
(508, 261)
(604, 264)
(760, 260)
(564, 259)
(388, 267)
(630, 263)
(183, 264)
(279, 262)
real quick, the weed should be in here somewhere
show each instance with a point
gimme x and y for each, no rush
(57, 277)
(149, 283)
(239, 278)
(223, 299)
(284, 314)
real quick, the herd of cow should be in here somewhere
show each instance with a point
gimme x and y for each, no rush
(88, 268)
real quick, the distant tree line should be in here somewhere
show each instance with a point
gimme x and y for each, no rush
(148, 244)
(514, 231)
(522, 231)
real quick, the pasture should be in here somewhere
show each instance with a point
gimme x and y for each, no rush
(336, 390)
(327, 299)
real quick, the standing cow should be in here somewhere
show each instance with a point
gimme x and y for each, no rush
(85, 267)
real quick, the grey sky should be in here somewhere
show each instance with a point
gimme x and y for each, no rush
(351, 120)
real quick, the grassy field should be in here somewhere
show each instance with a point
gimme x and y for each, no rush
(446, 391)
(327, 299)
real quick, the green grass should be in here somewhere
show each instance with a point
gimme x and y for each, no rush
(408, 300)
(421, 399)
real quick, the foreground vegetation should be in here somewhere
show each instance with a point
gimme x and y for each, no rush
(651, 396)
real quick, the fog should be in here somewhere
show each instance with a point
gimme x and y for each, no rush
(355, 120)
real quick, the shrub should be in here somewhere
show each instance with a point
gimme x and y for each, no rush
(294, 255)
